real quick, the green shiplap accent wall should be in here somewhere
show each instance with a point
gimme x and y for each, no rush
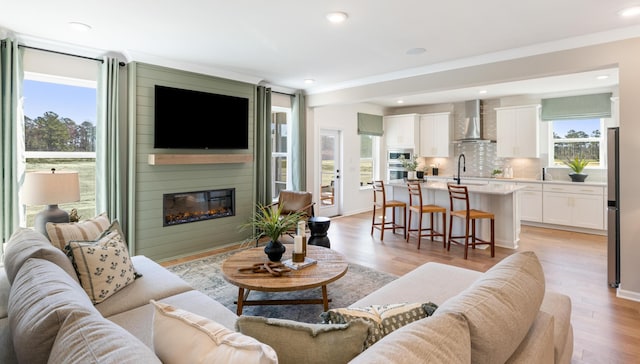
(152, 181)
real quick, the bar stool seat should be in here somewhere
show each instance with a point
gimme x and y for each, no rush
(380, 202)
(415, 205)
(460, 193)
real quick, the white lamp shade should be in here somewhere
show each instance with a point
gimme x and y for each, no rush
(48, 188)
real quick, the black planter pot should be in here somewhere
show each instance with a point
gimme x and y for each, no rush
(578, 177)
(274, 250)
(419, 174)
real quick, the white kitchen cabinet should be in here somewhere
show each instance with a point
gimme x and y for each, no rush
(435, 135)
(517, 131)
(531, 202)
(579, 206)
(402, 131)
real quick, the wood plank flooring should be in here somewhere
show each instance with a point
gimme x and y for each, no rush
(606, 328)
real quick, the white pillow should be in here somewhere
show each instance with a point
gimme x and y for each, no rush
(180, 336)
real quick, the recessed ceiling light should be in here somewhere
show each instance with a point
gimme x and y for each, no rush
(629, 12)
(309, 81)
(400, 101)
(79, 27)
(482, 92)
(337, 17)
(415, 51)
(602, 77)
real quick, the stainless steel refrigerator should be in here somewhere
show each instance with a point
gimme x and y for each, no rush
(613, 208)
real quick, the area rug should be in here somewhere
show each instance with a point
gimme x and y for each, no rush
(205, 275)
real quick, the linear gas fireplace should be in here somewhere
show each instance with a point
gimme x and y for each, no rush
(184, 207)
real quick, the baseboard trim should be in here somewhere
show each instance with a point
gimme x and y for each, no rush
(628, 295)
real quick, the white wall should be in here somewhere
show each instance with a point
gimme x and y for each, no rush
(354, 199)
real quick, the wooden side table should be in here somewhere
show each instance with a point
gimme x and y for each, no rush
(330, 266)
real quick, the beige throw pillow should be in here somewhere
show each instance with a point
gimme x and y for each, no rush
(61, 234)
(180, 336)
(103, 266)
(297, 342)
(384, 319)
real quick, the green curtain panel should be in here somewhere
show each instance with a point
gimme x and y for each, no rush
(370, 124)
(12, 136)
(298, 143)
(263, 145)
(112, 149)
(577, 107)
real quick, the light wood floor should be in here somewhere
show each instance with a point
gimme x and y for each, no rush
(606, 328)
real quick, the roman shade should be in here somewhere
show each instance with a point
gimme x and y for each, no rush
(370, 124)
(577, 107)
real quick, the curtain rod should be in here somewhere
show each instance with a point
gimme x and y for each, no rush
(282, 93)
(66, 54)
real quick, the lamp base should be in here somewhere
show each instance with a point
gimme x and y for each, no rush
(51, 213)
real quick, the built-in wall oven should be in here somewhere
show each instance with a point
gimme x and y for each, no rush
(395, 170)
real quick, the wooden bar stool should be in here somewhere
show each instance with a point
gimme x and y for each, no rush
(457, 192)
(415, 205)
(380, 202)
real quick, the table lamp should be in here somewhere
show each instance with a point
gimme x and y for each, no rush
(51, 189)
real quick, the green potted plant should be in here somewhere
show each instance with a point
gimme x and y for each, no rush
(577, 165)
(269, 221)
(496, 172)
(410, 165)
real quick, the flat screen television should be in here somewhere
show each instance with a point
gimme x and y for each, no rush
(189, 119)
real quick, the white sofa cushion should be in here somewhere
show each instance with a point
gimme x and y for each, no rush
(500, 306)
(180, 336)
(87, 338)
(438, 339)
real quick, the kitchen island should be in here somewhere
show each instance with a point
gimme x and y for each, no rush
(501, 199)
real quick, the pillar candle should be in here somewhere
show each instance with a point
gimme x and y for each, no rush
(300, 228)
(297, 244)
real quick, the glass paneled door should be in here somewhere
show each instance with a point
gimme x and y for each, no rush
(329, 172)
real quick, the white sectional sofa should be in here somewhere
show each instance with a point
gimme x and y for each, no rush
(503, 315)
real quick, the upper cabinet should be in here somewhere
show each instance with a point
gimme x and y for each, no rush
(518, 131)
(435, 135)
(402, 131)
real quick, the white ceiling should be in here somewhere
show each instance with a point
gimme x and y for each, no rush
(283, 42)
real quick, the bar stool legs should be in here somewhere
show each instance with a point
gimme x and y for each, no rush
(380, 202)
(415, 205)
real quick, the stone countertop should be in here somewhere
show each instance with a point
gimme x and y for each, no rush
(473, 187)
(477, 180)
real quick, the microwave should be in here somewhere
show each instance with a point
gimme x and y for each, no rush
(394, 156)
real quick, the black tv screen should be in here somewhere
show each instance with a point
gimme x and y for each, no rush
(190, 119)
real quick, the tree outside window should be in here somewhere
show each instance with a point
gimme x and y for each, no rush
(578, 138)
(367, 161)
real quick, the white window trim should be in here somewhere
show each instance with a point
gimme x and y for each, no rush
(376, 161)
(287, 111)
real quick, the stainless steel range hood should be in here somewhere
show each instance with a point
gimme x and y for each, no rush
(473, 123)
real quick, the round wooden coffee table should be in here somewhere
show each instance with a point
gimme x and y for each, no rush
(330, 266)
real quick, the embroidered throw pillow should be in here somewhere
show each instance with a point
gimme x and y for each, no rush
(384, 319)
(103, 266)
(60, 234)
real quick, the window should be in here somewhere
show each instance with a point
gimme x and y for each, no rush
(280, 130)
(60, 132)
(578, 138)
(368, 148)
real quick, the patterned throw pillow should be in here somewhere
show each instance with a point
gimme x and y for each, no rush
(384, 318)
(61, 234)
(103, 266)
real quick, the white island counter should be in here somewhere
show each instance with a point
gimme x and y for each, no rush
(501, 199)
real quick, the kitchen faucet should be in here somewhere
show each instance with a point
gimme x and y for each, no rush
(464, 166)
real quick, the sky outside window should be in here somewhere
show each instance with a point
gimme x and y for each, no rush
(73, 102)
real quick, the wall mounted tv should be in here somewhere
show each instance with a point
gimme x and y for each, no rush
(190, 119)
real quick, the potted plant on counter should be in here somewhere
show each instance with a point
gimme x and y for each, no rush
(410, 165)
(577, 165)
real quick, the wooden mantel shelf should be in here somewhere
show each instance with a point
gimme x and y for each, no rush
(166, 159)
